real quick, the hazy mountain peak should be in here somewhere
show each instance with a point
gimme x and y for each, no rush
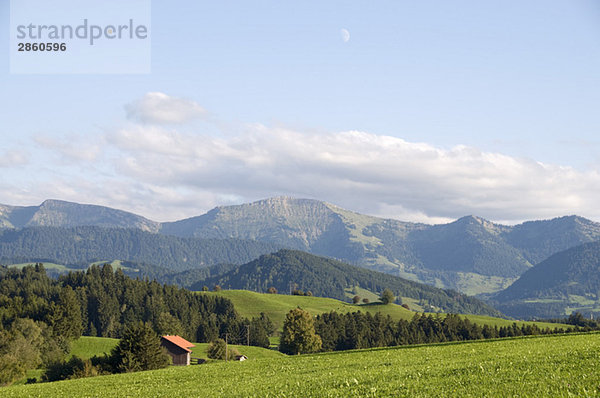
(59, 213)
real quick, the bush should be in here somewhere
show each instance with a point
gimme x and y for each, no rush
(74, 368)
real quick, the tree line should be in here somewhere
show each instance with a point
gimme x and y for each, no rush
(337, 332)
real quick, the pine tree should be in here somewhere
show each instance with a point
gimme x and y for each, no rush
(139, 349)
(65, 316)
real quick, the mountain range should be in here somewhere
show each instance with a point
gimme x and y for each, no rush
(565, 282)
(471, 254)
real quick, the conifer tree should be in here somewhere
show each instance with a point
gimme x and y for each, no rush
(139, 349)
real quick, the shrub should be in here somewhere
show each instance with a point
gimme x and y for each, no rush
(74, 368)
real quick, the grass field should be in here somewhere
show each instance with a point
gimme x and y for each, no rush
(199, 351)
(276, 306)
(86, 347)
(57, 267)
(549, 366)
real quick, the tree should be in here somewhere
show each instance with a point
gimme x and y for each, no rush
(139, 349)
(65, 316)
(260, 330)
(168, 324)
(365, 300)
(218, 349)
(299, 335)
(387, 296)
(272, 290)
(356, 299)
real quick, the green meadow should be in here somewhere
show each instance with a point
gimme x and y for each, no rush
(546, 366)
(276, 306)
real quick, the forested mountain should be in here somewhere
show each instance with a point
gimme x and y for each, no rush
(471, 254)
(78, 245)
(58, 213)
(567, 281)
(325, 277)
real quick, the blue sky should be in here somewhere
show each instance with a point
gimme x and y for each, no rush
(430, 111)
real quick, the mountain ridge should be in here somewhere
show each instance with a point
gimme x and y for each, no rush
(470, 254)
(565, 282)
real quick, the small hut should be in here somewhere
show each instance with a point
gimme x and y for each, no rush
(178, 348)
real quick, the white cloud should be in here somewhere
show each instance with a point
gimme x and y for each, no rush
(167, 174)
(72, 148)
(159, 108)
(12, 158)
(361, 171)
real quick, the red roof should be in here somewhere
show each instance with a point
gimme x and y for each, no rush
(179, 341)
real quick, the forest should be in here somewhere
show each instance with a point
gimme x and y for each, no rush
(39, 315)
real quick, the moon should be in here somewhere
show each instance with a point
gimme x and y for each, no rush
(345, 35)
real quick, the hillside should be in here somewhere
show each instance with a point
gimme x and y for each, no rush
(567, 281)
(86, 347)
(471, 254)
(508, 367)
(276, 306)
(82, 245)
(331, 278)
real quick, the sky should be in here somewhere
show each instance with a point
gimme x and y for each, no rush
(420, 111)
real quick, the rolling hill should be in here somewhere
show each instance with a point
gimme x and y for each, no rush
(565, 282)
(325, 277)
(276, 306)
(506, 367)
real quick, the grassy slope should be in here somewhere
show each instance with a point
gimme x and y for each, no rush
(58, 267)
(87, 347)
(276, 306)
(524, 367)
(199, 351)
